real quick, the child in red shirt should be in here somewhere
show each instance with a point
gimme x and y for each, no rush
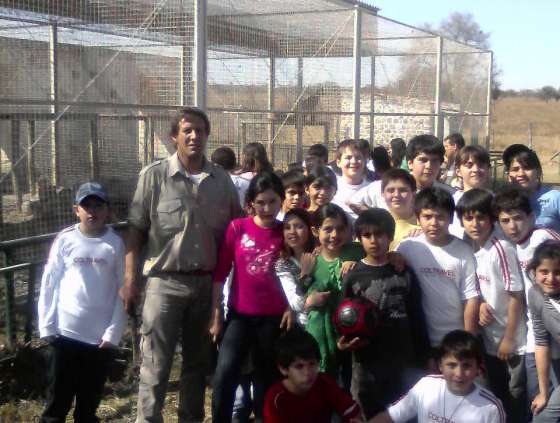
(305, 395)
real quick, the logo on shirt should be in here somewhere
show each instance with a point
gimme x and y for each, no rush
(482, 278)
(89, 260)
(439, 419)
(437, 271)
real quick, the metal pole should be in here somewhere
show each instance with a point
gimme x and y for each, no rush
(185, 70)
(530, 130)
(200, 55)
(93, 149)
(55, 132)
(356, 81)
(489, 100)
(30, 304)
(438, 119)
(31, 157)
(299, 117)
(271, 86)
(17, 179)
(372, 105)
(9, 310)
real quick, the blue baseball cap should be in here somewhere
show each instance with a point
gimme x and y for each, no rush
(89, 189)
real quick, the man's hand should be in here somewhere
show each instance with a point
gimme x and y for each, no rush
(287, 319)
(215, 328)
(485, 315)
(357, 208)
(346, 267)
(130, 295)
(316, 299)
(538, 403)
(355, 343)
(505, 351)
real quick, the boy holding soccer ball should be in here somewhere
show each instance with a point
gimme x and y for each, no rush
(383, 363)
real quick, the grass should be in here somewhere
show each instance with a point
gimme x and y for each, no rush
(510, 125)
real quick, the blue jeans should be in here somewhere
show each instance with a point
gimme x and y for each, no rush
(243, 334)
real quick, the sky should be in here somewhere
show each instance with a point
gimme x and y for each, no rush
(524, 34)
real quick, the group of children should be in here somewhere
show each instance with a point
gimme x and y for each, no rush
(442, 266)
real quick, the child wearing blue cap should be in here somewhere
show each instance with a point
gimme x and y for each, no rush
(80, 312)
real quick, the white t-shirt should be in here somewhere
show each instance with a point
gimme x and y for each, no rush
(79, 289)
(525, 252)
(370, 196)
(447, 278)
(456, 228)
(498, 273)
(432, 402)
(344, 193)
(241, 185)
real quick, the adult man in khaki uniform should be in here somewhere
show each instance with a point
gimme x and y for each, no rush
(179, 213)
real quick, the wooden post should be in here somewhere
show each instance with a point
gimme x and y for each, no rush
(31, 157)
(530, 130)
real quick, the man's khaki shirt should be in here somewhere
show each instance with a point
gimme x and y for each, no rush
(185, 223)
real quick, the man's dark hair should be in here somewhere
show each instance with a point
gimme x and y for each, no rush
(188, 111)
(375, 220)
(456, 139)
(427, 144)
(461, 345)
(294, 177)
(477, 153)
(475, 200)
(398, 151)
(398, 174)
(435, 199)
(511, 198)
(294, 344)
(322, 176)
(318, 150)
(225, 157)
(381, 159)
(365, 146)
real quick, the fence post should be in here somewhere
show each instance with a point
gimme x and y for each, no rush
(489, 100)
(30, 304)
(299, 116)
(271, 86)
(31, 157)
(17, 176)
(438, 120)
(9, 305)
(200, 69)
(55, 131)
(372, 104)
(93, 148)
(356, 80)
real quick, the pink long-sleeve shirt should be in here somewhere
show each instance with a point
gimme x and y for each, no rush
(253, 251)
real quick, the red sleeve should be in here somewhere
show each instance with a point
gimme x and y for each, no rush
(340, 401)
(226, 254)
(270, 413)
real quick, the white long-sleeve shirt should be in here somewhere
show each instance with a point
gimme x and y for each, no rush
(79, 289)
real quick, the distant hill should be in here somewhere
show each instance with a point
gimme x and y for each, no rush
(510, 123)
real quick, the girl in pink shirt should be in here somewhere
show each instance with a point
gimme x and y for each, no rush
(257, 306)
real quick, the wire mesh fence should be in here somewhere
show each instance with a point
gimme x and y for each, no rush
(88, 88)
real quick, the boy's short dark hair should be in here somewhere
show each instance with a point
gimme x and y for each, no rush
(524, 155)
(322, 176)
(434, 198)
(295, 166)
(294, 344)
(511, 198)
(477, 152)
(398, 174)
(475, 200)
(188, 111)
(376, 220)
(427, 144)
(293, 177)
(461, 345)
(381, 159)
(225, 157)
(318, 150)
(364, 145)
(455, 139)
(347, 144)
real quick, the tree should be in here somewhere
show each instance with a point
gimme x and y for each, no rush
(462, 27)
(547, 93)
